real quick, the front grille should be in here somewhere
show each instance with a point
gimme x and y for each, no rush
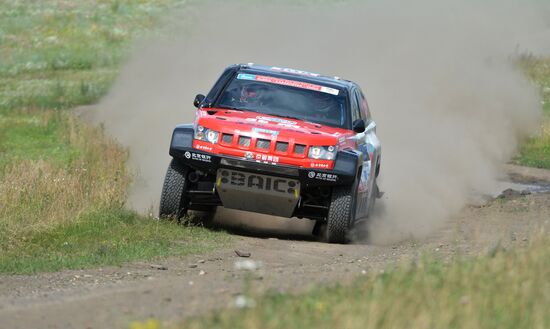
(281, 146)
(299, 149)
(263, 144)
(227, 138)
(244, 141)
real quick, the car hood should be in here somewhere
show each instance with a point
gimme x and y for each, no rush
(251, 123)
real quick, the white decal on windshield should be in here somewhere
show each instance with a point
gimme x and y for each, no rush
(290, 83)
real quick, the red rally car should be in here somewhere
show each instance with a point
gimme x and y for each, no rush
(281, 142)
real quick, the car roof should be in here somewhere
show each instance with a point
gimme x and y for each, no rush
(294, 74)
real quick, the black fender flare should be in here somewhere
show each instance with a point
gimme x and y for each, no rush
(182, 138)
(349, 162)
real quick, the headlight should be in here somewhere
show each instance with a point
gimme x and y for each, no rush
(322, 152)
(207, 135)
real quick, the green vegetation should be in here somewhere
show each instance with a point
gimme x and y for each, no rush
(106, 237)
(536, 151)
(63, 184)
(505, 289)
(58, 54)
(33, 136)
(59, 177)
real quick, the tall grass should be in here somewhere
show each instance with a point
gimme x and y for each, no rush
(38, 194)
(60, 180)
(536, 151)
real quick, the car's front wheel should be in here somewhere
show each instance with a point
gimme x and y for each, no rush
(341, 214)
(173, 201)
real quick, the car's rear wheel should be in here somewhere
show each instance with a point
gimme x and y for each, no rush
(341, 214)
(173, 201)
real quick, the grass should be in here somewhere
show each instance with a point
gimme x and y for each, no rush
(63, 187)
(62, 194)
(506, 289)
(536, 151)
(32, 136)
(57, 174)
(55, 177)
(58, 54)
(60, 180)
(106, 237)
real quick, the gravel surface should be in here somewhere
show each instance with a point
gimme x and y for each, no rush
(178, 287)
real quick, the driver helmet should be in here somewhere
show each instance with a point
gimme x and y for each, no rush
(325, 104)
(251, 93)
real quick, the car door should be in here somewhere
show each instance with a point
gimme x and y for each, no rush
(368, 144)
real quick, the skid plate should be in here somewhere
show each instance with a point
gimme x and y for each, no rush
(257, 193)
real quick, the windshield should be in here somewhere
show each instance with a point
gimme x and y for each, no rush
(286, 98)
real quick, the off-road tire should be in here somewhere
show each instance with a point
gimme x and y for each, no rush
(172, 200)
(341, 213)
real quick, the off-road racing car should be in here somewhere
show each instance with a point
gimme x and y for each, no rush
(281, 142)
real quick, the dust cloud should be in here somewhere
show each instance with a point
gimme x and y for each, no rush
(449, 103)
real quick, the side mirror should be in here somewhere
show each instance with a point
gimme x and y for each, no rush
(371, 127)
(359, 126)
(198, 100)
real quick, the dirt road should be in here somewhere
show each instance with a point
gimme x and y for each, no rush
(114, 296)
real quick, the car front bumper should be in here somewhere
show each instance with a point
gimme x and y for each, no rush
(263, 179)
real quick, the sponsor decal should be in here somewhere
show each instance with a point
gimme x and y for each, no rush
(243, 76)
(266, 120)
(198, 157)
(370, 148)
(290, 83)
(267, 158)
(258, 182)
(265, 131)
(203, 147)
(367, 150)
(249, 155)
(284, 69)
(285, 125)
(322, 176)
(278, 120)
(319, 165)
(364, 182)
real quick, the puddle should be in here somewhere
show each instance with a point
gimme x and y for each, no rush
(530, 188)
